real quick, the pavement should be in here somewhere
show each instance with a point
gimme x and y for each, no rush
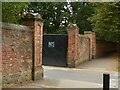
(57, 77)
(88, 78)
(107, 63)
(87, 75)
(58, 83)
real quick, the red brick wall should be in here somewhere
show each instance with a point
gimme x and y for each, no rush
(118, 52)
(38, 38)
(0, 48)
(83, 50)
(78, 47)
(22, 51)
(72, 44)
(36, 23)
(104, 48)
(92, 38)
(17, 53)
(84, 47)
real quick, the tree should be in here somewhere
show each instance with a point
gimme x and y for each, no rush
(106, 21)
(81, 12)
(57, 15)
(53, 14)
(12, 12)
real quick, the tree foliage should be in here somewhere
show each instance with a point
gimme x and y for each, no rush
(12, 12)
(57, 15)
(106, 21)
(52, 13)
(103, 18)
(81, 12)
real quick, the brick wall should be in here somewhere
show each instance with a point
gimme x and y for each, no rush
(36, 24)
(72, 44)
(83, 50)
(85, 47)
(17, 53)
(118, 51)
(92, 38)
(38, 40)
(78, 46)
(104, 48)
(22, 51)
(0, 47)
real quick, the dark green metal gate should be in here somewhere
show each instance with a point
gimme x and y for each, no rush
(55, 50)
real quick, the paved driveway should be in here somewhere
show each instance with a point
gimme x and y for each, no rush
(107, 63)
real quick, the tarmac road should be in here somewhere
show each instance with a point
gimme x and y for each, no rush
(82, 75)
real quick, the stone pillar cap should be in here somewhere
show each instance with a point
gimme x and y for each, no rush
(29, 16)
(72, 26)
(36, 16)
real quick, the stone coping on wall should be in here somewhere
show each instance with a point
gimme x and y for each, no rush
(72, 26)
(9, 26)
